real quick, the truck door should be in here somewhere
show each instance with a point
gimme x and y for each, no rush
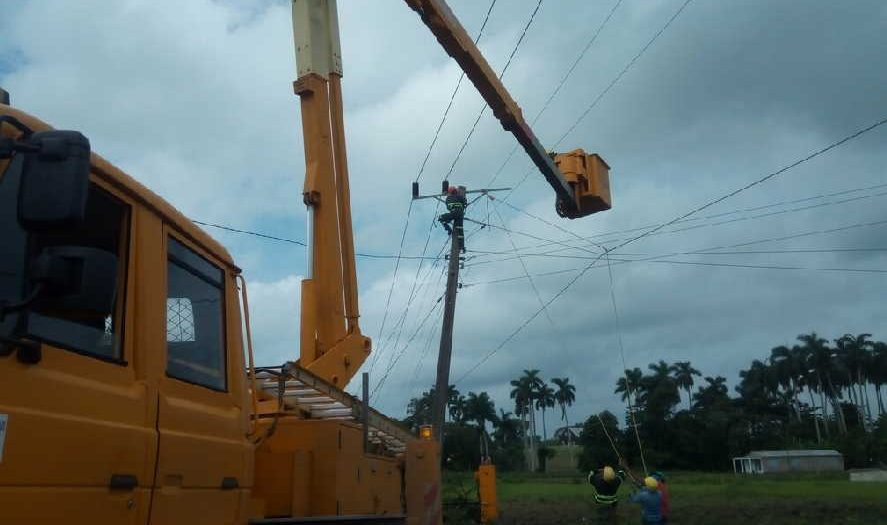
(78, 435)
(203, 459)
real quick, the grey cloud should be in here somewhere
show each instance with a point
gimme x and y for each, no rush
(195, 99)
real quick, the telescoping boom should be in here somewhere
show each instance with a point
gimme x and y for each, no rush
(580, 181)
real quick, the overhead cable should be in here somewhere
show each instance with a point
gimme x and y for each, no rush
(559, 86)
(501, 74)
(452, 98)
(722, 198)
(406, 223)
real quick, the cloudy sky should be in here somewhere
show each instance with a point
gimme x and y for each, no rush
(195, 100)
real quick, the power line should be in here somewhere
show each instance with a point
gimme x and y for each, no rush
(565, 246)
(302, 243)
(622, 73)
(412, 294)
(575, 63)
(711, 251)
(739, 252)
(758, 208)
(526, 271)
(247, 232)
(452, 98)
(773, 267)
(691, 219)
(406, 223)
(733, 193)
(521, 39)
(530, 235)
(501, 74)
(606, 90)
(761, 180)
(699, 263)
(381, 383)
(560, 85)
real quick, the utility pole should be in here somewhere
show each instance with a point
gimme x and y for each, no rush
(445, 352)
(446, 340)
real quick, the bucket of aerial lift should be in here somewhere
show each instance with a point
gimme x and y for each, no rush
(589, 175)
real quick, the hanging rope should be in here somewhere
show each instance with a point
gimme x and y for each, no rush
(610, 439)
(628, 385)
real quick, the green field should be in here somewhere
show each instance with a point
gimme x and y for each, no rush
(722, 499)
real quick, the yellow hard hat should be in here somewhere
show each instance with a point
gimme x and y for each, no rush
(609, 473)
(651, 483)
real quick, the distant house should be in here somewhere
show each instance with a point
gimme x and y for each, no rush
(773, 461)
(568, 435)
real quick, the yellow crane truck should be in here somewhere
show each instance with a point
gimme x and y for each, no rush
(128, 392)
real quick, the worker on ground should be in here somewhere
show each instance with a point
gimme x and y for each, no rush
(456, 204)
(650, 500)
(663, 490)
(606, 483)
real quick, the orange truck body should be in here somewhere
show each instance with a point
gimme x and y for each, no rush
(118, 439)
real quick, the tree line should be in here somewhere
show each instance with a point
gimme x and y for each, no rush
(514, 442)
(814, 394)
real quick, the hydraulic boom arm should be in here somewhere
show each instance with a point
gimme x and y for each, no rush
(582, 185)
(331, 343)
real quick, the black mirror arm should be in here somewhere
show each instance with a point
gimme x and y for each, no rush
(9, 145)
(8, 309)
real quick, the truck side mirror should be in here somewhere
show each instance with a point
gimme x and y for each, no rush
(55, 181)
(75, 279)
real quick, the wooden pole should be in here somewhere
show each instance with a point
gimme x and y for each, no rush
(446, 340)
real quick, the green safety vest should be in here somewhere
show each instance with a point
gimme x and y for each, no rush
(603, 499)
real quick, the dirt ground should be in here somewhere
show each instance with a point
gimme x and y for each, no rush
(696, 498)
(769, 513)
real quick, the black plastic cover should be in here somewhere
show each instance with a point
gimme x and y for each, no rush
(55, 181)
(76, 278)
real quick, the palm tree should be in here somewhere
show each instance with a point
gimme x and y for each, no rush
(683, 376)
(508, 429)
(628, 384)
(821, 360)
(480, 409)
(564, 396)
(535, 383)
(857, 358)
(787, 365)
(712, 394)
(879, 371)
(544, 399)
(522, 393)
(659, 392)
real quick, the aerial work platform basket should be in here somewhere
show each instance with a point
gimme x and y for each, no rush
(589, 175)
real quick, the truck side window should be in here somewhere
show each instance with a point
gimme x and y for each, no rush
(195, 338)
(105, 227)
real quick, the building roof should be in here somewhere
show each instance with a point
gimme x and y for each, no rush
(792, 453)
(575, 430)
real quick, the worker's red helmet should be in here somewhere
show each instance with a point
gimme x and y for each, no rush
(452, 189)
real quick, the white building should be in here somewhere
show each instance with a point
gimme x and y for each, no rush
(772, 461)
(568, 435)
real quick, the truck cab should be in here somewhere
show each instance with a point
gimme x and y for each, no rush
(122, 387)
(125, 395)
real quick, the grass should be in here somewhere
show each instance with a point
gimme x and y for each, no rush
(724, 499)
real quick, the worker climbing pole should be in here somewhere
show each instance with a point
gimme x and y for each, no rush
(456, 201)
